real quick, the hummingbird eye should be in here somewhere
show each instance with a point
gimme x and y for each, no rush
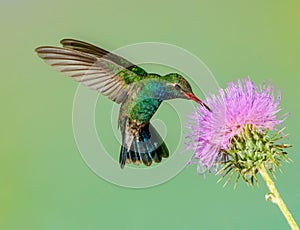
(177, 87)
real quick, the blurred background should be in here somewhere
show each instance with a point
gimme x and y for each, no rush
(44, 182)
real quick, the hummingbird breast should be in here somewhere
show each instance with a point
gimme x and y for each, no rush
(144, 100)
(143, 110)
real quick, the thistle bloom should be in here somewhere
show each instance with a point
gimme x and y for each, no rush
(241, 109)
(238, 134)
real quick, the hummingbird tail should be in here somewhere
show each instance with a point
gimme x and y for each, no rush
(147, 146)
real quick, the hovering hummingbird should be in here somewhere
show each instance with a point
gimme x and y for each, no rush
(139, 93)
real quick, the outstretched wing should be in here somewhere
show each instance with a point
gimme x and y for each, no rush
(93, 67)
(101, 53)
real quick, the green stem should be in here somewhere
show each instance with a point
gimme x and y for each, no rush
(275, 197)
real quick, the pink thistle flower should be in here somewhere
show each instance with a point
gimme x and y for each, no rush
(241, 104)
(237, 132)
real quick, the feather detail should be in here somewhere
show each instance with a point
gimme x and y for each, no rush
(93, 67)
(141, 145)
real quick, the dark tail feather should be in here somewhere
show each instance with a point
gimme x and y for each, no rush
(123, 156)
(146, 147)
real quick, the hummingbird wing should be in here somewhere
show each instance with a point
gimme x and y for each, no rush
(96, 68)
(101, 53)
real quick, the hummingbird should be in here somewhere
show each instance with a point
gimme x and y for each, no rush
(139, 93)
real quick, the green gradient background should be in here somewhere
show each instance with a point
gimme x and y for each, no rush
(44, 182)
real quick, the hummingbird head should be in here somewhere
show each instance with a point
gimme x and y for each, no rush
(181, 88)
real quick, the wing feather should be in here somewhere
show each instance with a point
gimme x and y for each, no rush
(102, 53)
(93, 67)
